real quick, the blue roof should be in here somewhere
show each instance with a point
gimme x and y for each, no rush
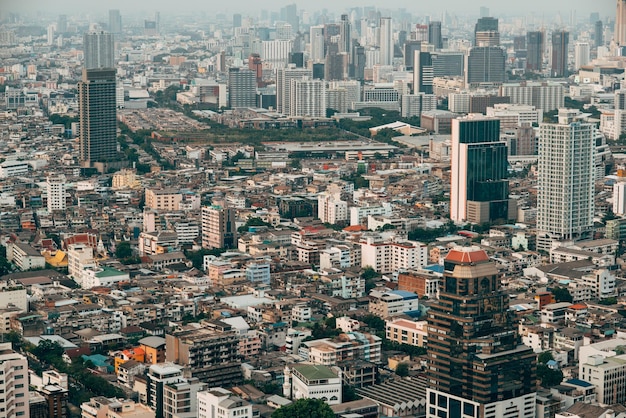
(405, 294)
(579, 382)
(435, 267)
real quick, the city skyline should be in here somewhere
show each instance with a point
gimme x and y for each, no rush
(497, 8)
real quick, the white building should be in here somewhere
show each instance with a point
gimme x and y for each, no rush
(13, 169)
(284, 77)
(415, 104)
(385, 41)
(392, 303)
(608, 374)
(79, 258)
(544, 96)
(14, 383)
(565, 201)
(276, 52)
(514, 115)
(25, 257)
(389, 257)
(222, 403)
(316, 43)
(331, 209)
(13, 294)
(102, 276)
(308, 98)
(581, 54)
(308, 381)
(55, 185)
(619, 198)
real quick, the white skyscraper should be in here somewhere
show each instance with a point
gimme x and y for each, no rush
(14, 385)
(316, 34)
(308, 98)
(581, 54)
(56, 192)
(276, 53)
(284, 76)
(386, 41)
(99, 50)
(565, 200)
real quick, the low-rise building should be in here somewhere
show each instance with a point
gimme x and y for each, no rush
(310, 381)
(404, 331)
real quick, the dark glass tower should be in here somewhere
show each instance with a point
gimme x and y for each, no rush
(434, 35)
(97, 115)
(534, 54)
(476, 362)
(560, 44)
(480, 189)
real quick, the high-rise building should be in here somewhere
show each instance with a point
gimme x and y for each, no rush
(479, 187)
(99, 50)
(485, 64)
(423, 73)
(289, 14)
(55, 185)
(237, 20)
(218, 227)
(486, 32)
(115, 21)
(255, 64)
(560, 45)
(620, 23)
(534, 50)
(14, 386)
(477, 365)
(241, 87)
(545, 96)
(582, 51)
(62, 24)
(97, 115)
(345, 35)
(308, 98)
(284, 76)
(276, 52)
(598, 33)
(565, 197)
(316, 41)
(434, 35)
(385, 41)
(410, 49)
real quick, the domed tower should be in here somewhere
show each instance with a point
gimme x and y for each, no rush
(477, 365)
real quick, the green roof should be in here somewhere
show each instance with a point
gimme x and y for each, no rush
(109, 272)
(315, 372)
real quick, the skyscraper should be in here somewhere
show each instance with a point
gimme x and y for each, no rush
(477, 366)
(386, 41)
(345, 35)
(560, 45)
(97, 115)
(316, 40)
(410, 48)
(565, 196)
(598, 33)
(283, 85)
(308, 98)
(434, 35)
(237, 20)
(620, 23)
(423, 73)
(582, 51)
(479, 187)
(534, 54)
(115, 21)
(241, 87)
(289, 14)
(485, 64)
(486, 32)
(99, 50)
(62, 24)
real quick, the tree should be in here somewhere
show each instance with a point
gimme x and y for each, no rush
(545, 357)
(123, 250)
(402, 369)
(311, 408)
(561, 294)
(549, 377)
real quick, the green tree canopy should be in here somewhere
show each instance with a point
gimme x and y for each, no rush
(402, 369)
(123, 250)
(310, 408)
(561, 294)
(545, 357)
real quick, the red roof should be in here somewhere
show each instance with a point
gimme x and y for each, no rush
(355, 228)
(467, 255)
(578, 306)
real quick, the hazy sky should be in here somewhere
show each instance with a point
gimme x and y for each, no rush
(497, 7)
